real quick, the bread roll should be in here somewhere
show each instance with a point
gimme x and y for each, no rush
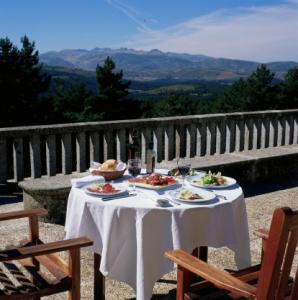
(109, 165)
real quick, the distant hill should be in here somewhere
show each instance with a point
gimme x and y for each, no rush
(153, 65)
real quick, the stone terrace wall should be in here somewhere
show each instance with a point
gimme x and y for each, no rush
(35, 151)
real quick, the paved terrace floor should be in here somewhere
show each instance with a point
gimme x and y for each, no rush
(259, 208)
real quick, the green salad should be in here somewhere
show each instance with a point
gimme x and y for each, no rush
(211, 179)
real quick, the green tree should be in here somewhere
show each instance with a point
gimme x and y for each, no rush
(112, 89)
(257, 92)
(173, 105)
(74, 103)
(289, 97)
(22, 84)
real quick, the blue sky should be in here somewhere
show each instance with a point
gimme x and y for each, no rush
(262, 30)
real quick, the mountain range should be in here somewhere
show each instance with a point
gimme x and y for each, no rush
(152, 65)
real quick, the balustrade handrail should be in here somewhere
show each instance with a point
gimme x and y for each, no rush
(115, 124)
(33, 151)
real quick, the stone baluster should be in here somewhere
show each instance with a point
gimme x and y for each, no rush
(273, 132)
(108, 145)
(94, 145)
(201, 139)
(295, 130)
(18, 159)
(265, 133)
(66, 153)
(35, 156)
(221, 137)
(239, 135)
(169, 143)
(180, 140)
(145, 140)
(256, 133)
(211, 138)
(51, 155)
(289, 130)
(280, 131)
(3, 160)
(230, 136)
(248, 134)
(121, 144)
(191, 142)
(81, 151)
(158, 134)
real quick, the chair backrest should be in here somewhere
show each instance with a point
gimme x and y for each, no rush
(279, 254)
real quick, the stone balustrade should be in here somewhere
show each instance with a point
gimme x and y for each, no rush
(35, 151)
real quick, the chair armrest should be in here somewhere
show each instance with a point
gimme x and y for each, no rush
(23, 214)
(219, 278)
(262, 233)
(43, 249)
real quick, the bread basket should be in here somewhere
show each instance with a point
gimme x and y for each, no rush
(108, 175)
(95, 169)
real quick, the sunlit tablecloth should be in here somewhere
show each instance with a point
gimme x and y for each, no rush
(131, 234)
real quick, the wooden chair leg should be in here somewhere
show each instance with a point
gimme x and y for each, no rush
(75, 274)
(184, 280)
(99, 280)
(203, 253)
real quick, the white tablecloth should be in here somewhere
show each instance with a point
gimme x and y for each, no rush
(131, 234)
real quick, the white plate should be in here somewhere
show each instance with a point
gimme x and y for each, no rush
(121, 191)
(206, 196)
(229, 182)
(154, 187)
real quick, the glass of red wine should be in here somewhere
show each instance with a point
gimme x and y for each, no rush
(183, 168)
(134, 169)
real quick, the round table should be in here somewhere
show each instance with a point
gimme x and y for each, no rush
(131, 234)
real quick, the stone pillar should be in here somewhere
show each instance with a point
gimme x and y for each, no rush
(121, 144)
(66, 153)
(201, 139)
(3, 160)
(158, 134)
(35, 157)
(18, 159)
(191, 140)
(169, 143)
(108, 145)
(81, 151)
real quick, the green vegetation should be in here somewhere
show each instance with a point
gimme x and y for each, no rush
(22, 84)
(32, 94)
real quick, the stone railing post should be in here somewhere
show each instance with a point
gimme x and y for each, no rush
(18, 159)
(3, 160)
(66, 153)
(51, 155)
(35, 156)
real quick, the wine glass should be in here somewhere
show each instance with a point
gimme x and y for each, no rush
(183, 168)
(134, 169)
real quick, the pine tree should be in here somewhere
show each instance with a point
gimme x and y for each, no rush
(22, 83)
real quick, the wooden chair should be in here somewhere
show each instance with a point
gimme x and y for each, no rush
(267, 281)
(21, 275)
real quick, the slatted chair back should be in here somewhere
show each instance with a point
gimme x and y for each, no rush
(279, 254)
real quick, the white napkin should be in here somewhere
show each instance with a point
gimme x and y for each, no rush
(79, 182)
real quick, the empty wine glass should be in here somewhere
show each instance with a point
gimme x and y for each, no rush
(134, 169)
(183, 168)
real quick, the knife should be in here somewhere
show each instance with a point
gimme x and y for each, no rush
(118, 196)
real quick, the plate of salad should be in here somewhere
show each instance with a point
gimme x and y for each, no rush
(212, 181)
(191, 196)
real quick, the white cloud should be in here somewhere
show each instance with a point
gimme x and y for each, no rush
(266, 33)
